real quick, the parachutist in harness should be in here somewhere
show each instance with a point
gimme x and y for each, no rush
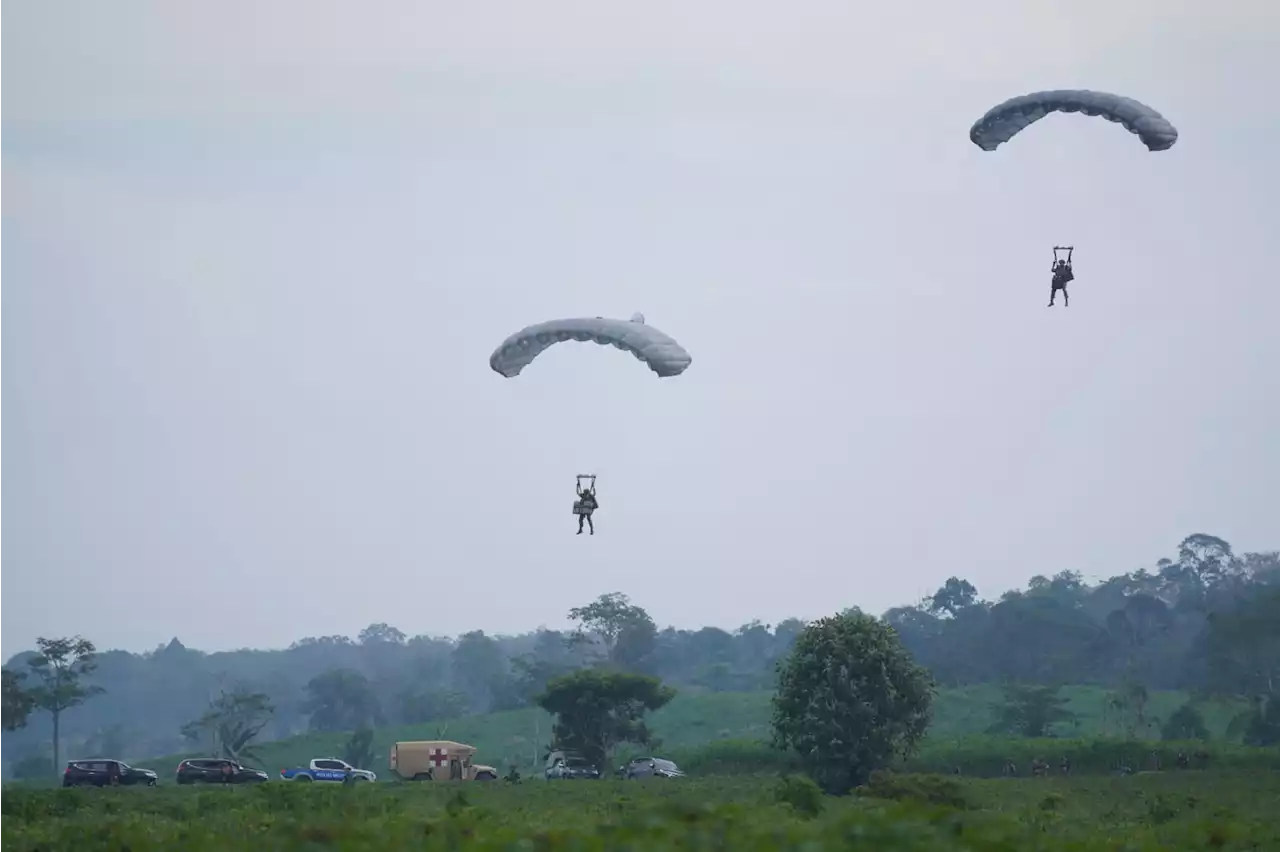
(1062, 275)
(586, 502)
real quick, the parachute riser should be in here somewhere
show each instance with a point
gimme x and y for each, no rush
(589, 491)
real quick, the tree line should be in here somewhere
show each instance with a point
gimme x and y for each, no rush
(842, 728)
(1206, 620)
(1197, 622)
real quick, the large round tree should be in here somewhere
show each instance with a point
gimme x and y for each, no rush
(850, 698)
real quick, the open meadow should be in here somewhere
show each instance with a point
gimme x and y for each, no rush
(1170, 810)
(727, 731)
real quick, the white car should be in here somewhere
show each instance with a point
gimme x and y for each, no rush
(328, 769)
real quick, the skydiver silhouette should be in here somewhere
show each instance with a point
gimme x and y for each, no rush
(589, 503)
(1062, 275)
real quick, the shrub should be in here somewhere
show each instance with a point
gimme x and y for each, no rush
(926, 789)
(801, 794)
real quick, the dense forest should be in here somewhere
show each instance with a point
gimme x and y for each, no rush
(1207, 619)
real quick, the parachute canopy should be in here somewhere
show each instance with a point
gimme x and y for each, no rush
(1003, 122)
(663, 355)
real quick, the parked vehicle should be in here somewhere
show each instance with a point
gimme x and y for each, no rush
(568, 765)
(328, 769)
(102, 772)
(217, 770)
(438, 760)
(651, 767)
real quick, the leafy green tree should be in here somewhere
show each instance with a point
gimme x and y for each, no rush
(1039, 638)
(481, 671)
(1066, 587)
(1259, 725)
(849, 699)
(418, 705)
(381, 633)
(635, 645)
(550, 657)
(1185, 723)
(1030, 711)
(358, 750)
(720, 677)
(232, 721)
(1143, 618)
(1264, 727)
(1244, 646)
(531, 675)
(596, 709)
(955, 595)
(341, 700)
(786, 632)
(1210, 557)
(61, 667)
(625, 631)
(1127, 706)
(18, 703)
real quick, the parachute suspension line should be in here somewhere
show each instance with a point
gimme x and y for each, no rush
(586, 504)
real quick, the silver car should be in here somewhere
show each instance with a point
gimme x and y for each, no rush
(651, 767)
(568, 766)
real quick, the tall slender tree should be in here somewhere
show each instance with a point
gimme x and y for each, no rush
(61, 667)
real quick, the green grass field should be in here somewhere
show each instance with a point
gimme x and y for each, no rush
(1179, 810)
(691, 723)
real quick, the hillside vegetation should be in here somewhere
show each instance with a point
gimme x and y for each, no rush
(690, 723)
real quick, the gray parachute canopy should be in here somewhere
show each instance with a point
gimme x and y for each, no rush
(1003, 122)
(663, 355)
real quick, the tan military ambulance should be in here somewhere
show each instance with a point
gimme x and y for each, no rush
(438, 760)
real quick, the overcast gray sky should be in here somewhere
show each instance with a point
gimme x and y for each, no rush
(256, 256)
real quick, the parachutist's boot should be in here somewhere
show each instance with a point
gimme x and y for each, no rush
(579, 531)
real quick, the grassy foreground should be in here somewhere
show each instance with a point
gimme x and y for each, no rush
(1159, 811)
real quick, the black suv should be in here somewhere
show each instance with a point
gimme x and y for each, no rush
(103, 772)
(217, 770)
